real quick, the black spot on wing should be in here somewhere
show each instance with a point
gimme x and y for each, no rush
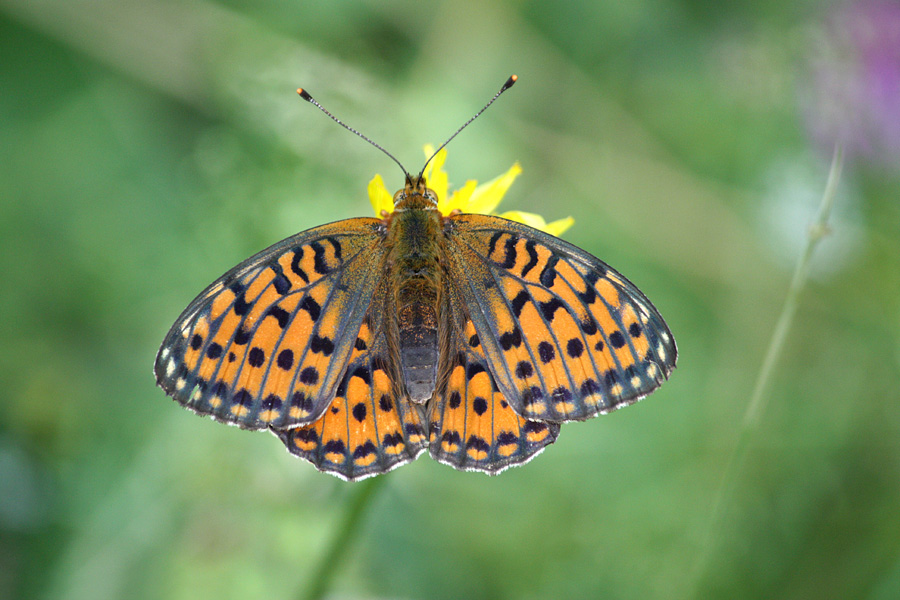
(474, 369)
(574, 347)
(492, 245)
(532, 257)
(285, 359)
(241, 306)
(451, 437)
(364, 450)
(257, 357)
(272, 402)
(310, 306)
(320, 265)
(281, 283)
(335, 447)
(507, 438)
(336, 245)
(295, 264)
(478, 443)
(363, 373)
(309, 376)
(549, 308)
(519, 302)
(524, 370)
(243, 397)
(321, 345)
(548, 273)
(280, 315)
(546, 351)
(509, 259)
(302, 401)
(588, 325)
(511, 338)
(392, 440)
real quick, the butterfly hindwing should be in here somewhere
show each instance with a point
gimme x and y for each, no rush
(265, 345)
(370, 428)
(472, 426)
(567, 336)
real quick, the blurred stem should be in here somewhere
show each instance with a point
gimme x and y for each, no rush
(757, 404)
(345, 531)
(818, 230)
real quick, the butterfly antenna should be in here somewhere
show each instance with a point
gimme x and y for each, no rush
(305, 95)
(509, 83)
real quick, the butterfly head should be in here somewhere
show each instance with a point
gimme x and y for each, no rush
(415, 194)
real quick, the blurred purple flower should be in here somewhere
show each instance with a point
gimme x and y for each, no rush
(854, 96)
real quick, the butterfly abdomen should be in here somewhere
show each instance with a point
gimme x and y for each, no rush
(417, 278)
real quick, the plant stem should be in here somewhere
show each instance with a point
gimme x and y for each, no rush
(345, 531)
(757, 404)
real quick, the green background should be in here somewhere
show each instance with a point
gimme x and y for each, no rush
(148, 146)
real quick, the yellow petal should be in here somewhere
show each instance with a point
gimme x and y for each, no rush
(559, 226)
(435, 176)
(458, 199)
(488, 195)
(538, 222)
(530, 219)
(379, 196)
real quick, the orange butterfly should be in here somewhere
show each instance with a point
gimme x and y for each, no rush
(363, 342)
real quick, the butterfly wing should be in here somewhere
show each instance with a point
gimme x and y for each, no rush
(472, 426)
(370, 428)
(266, 344)
(567, 336)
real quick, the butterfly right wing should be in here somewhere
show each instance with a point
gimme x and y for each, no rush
(265, 345)
(567, 337)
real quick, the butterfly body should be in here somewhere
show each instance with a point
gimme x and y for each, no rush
(414, 259)
(365, 342)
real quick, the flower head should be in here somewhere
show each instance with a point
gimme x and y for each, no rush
(470, 198)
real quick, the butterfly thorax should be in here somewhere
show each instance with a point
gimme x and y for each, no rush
(415, 242)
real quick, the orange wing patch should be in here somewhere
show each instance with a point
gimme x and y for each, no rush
(265, 345)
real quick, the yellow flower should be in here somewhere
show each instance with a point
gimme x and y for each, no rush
(470, 198)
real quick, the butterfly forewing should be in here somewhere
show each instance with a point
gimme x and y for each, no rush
(370, 427)
(266, 344)
(567, 337)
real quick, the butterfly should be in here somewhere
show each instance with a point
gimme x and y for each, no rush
(364, 342)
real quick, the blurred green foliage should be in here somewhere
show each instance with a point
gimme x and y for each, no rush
(148, 146)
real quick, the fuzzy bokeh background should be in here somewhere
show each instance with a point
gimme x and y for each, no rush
(148, 146)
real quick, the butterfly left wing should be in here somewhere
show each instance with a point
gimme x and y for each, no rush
(369, 428)
(264, 345)
(566, 336)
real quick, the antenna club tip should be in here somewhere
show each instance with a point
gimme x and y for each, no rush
(509, 82)
(304, 94)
